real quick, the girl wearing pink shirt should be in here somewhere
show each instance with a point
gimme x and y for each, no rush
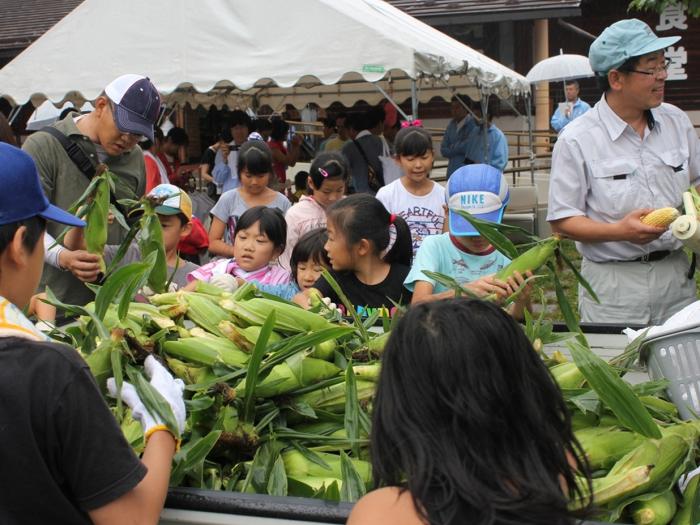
(327, 183)
(259, 238)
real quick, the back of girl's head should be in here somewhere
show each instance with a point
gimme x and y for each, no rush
(300, 180)
(413, 141)
(240, 118)
(310, 246)
(255, 157)
(468, 415)
(361, 216)
(271, 223)
(279, 129)
(330, 165)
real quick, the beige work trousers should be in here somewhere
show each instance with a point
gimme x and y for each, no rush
(642, 293)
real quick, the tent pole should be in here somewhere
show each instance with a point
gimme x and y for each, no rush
(391, 100)
(528, 110)
(485, 126)
(414, 99)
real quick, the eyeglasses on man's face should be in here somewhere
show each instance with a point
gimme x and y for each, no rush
(657, 72)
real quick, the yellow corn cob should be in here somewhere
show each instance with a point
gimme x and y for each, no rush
(368, 372)
(567, 375)
(613, 488)
(245, 338)
(658, 510)
(661, 218)
(191, 375)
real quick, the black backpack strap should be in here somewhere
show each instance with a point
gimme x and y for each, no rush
(76, 154)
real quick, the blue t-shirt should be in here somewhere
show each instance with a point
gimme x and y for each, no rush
(439, 254)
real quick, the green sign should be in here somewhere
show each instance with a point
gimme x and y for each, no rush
(372, 68)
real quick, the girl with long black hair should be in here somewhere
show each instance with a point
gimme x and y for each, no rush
(468, 425)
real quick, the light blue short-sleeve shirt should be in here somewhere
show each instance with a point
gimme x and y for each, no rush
(439, 254)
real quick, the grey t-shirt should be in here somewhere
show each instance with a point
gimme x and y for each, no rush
(231, 206)
(133, 254)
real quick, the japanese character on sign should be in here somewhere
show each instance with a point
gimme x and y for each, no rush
(679, 59)
(673, 17)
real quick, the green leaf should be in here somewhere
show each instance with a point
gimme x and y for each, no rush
(311, 456)
(116, 362)
(254, 367)
(277, 480)
(352, 409)
(349, 307)
(191, 455)
(617, 395)
(113, 287)
(123, 247)
(102, 332)
(450, 283)
(565, 307)
(490, 232)
(259, 472)
(583, 282)
(353, 487)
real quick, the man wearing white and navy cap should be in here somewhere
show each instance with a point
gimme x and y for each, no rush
(124, 113)
(629, 155)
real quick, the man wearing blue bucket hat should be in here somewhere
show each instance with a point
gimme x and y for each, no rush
(462, 253)
(629, 155)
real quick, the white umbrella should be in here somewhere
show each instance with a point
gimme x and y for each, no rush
(559, 68)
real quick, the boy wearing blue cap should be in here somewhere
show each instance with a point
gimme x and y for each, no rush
(462, 253)
(630, 154)
(64, 458)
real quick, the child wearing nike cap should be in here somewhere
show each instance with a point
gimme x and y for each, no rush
(462, 253)
(64, 458)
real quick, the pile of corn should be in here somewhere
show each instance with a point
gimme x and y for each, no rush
(279, 404)
(287, 419)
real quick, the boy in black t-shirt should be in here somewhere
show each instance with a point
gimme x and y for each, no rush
(64, 458)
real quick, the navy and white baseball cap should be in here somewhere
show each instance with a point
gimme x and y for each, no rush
(479, 189)
(623, 40)
(23, 197)
(137, 104)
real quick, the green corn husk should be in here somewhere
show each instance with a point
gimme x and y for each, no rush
(567, 375)
(368, 372)
(613, 487)
(332, 398)
(531, 260)
(96, 228)
(606, 445)
(658, 510)
(207, 351)
(285, 378)
(325, 350)
(660, 408)
(289, 317)
(191, 375)
(298, 466)
(581, 421)
(244, 338)
(689, 514)
(205, 312)
(376, 344)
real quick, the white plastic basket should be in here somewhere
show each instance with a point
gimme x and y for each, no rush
(675, 356)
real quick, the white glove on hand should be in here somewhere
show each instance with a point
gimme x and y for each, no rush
(171, 390)
(329, 305)
(225, 281)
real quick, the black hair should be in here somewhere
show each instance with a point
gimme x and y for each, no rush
(224, 134)
(279, 129)
(627, 66)
(333, 164)
(255, 157)
(329, 122)
(375, 116)
(300, 180)
(178, 136)
(239, 118)
(272, 224)
(262, 124)
(183, 219)
(357, 121)
(6, 133)
(311, 245)
(467, 418)
(413, 141)
(67, 112)
(361, 216)
(572, 83)
(35, 226)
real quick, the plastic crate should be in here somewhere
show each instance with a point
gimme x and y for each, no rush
(675, 356)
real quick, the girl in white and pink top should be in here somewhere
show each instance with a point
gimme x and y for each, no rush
(259, 238)
(327, 183)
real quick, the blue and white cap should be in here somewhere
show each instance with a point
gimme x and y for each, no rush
(479, 189)
(137, 104)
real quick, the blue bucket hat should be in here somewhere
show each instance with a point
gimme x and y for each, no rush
(23, 197)
(479, 189)
(623, 40)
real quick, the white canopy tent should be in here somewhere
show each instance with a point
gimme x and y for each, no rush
(246, 54)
